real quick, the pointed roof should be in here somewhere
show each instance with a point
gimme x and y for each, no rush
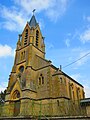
(33, 22)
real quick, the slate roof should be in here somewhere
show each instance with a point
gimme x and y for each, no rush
(86, 100)
(33, 22)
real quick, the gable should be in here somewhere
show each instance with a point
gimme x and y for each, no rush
(15, 88)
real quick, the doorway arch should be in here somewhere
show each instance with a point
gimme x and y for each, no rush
(16, 102)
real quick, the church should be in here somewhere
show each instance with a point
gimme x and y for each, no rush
(36, 87)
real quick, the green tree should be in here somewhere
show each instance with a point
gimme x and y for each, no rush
(2, 96)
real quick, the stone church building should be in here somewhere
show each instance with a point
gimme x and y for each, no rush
(35, 85)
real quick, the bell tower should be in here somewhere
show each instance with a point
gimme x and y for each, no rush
(30, 45)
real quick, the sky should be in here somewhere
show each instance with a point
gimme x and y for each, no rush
(65, 24)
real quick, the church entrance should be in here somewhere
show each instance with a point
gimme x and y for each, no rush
(16, 108)
(16, 102)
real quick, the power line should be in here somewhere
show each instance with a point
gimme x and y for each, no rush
(76, 60)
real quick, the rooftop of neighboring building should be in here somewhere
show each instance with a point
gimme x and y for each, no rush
(86, 100)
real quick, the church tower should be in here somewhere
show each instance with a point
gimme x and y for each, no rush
(30, 47)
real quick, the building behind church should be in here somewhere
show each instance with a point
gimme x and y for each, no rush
(36, 87)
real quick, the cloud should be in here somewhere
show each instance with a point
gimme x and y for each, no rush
(87, 91)
(86, 18)
(13, 20)
(76, 76)
(68, 57)
(67, 42)
(84, 58)
(57, 9)
(15, 17)
(81, 56)
(6, 50)
(29, 5)
(41, 24)
(69, 34)
(53, 8)
(3, 86)
(49, 46)
(71, 38)
(85, 36)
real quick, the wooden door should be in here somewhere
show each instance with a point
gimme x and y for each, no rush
(16, 108)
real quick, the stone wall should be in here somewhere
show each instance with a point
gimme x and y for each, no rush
(44, 108)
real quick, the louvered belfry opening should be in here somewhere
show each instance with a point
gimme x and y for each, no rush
(26, 37)
(37, 37)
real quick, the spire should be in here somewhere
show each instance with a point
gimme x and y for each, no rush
(33, 21)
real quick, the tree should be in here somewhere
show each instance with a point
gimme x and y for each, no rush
(2, 96)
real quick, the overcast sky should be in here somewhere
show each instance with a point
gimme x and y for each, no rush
(65, 24)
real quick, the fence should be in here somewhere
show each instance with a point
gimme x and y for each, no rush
(43, 109)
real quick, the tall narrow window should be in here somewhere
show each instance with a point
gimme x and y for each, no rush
(37, 37)
(21, 55)
(60, 80)
(73, 95)
(26, 37)
(42, 80)
(71, 90)
(58, 102)
(65, 81)
(83, 94)
(39, 81)
(78, 93)
(24, 55)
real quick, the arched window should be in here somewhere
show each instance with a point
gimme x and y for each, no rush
(37, 37)
(16, 94)
(71, 87)
(41, 79)
(78, 93)
(26, 37)
(61, 80)
(22, 56)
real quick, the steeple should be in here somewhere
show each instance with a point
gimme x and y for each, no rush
(33, 22)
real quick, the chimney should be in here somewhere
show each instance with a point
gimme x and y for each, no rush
(60, 67)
